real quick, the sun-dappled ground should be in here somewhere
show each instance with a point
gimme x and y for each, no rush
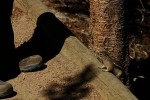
(138, 30)
(58, 79)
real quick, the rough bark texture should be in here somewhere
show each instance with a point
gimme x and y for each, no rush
(106, 27)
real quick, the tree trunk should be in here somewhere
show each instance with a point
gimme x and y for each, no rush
(107, 28)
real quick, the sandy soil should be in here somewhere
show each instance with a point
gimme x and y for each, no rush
(60, 80)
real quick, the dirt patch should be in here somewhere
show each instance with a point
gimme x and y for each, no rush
(23, 26)
(60, 77)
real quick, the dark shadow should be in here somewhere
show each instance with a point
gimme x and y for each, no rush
(10, 96)
(47, 40)
(76, 9)
(75, 88)
(8, 63)
(141, 86)
(76, 6)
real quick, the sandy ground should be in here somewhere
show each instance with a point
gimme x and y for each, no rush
(62, 79)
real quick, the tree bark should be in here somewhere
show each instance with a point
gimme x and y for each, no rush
(107, 28)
